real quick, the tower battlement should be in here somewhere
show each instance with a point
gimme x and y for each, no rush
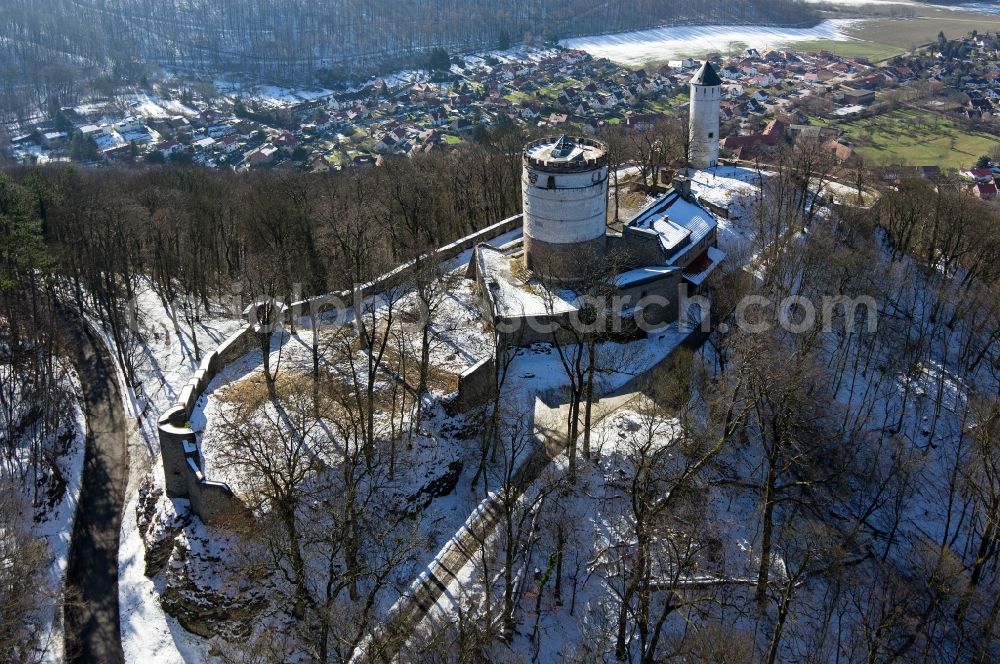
(564, 190)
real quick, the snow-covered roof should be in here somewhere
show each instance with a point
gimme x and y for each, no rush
(672, 234)
(565, 150)
(679, 223)
(641, 275)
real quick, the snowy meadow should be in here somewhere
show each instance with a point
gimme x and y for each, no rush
(638, 48)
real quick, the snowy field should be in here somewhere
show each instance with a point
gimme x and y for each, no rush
(983, 7)
(153, 107)
(860, 3)
(637, 48)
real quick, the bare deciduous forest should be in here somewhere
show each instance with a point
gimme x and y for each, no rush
(864, 460)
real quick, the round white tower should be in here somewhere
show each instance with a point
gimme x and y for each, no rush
(564, 190)
(706, 95)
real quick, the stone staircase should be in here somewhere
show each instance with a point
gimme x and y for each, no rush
(549, 424)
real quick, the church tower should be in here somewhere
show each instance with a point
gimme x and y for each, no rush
(706, 95)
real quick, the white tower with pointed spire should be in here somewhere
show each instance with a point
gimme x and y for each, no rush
(706, 96)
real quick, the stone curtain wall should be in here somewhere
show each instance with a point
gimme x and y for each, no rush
(476, 385)
(323, 303)
(214, 502)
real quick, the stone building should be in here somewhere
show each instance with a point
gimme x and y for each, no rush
(536, 283)
(564, 189)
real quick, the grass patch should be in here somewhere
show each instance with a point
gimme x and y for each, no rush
(908, 33)
(874, 51)
(252, 391)
(916, 137)
(658, 106)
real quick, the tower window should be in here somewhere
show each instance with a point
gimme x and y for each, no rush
(551, 183)
(711, 134)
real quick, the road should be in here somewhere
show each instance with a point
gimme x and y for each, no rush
(93, 633)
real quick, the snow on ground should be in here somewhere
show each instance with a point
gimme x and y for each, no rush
(857, 3)
(983, 7)
(270, 96)
(32, 151)
(57, 526)
(638, 48)
(516, 297)
(733, 511)
(166, 363)
(143, 105)
(168, 359)
(151, 106)
(459, 334)
(735, 188)
(47, 488)
(440, 445)
(148, 633)
(538, 368)
(460, 339)
(92, 108)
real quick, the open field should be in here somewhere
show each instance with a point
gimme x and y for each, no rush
(923, 28)
(874, 51)
(878, 38)
(643, 47)
(915, 137)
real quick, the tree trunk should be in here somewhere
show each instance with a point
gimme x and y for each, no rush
(765, 543)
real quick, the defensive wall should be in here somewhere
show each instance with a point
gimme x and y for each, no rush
(183, 467)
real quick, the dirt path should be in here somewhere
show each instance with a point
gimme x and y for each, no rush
(92, 630)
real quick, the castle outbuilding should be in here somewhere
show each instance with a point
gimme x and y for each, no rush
(706, 99)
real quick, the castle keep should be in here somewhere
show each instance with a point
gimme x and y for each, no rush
(564, 190)
(536, 283)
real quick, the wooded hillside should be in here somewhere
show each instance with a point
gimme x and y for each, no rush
(47, 46)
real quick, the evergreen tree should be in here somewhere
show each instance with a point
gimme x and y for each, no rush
(439, 59)
(22, 249)
(83, 148)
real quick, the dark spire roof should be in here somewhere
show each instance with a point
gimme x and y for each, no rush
(706, 76)
(563, 147)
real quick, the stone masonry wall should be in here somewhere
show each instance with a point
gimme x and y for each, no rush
(183, 470)
(476, 385)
